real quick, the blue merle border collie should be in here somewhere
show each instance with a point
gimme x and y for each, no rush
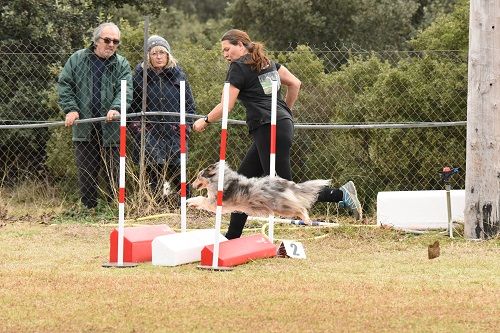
(256, 196)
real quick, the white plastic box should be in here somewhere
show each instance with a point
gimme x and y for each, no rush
(419, 209)
(181, 248)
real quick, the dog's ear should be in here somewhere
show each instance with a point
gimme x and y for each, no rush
(211, 170)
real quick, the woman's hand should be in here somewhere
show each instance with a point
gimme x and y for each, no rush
(199, 125)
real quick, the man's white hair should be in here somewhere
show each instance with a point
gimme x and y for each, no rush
(100, 28)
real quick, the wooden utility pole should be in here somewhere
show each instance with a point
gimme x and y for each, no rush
(482, 182)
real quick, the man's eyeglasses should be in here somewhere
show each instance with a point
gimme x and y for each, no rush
(107, 40)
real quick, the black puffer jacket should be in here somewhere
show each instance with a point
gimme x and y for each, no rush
(162, 135)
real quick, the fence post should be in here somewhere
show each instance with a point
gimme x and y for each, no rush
(482, 190)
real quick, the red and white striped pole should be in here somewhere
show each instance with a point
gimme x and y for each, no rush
(121, 192)
(121, 182)
(272, 151)
(222, 165)
(183, 154)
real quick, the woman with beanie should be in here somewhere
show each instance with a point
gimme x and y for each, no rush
(249, 75)
(162, 137)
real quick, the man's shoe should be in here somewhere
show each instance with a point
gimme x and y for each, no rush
(350, 200)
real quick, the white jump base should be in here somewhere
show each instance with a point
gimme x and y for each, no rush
(181, 248)
(419, 209)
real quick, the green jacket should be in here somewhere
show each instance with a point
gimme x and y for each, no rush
(75, 93)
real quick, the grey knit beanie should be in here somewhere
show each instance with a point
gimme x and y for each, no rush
(155, 40)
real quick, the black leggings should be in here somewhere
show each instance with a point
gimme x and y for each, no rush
(256, 164)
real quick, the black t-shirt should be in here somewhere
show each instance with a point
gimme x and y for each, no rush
(255, 92)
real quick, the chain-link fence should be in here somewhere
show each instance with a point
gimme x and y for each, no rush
(386, 120)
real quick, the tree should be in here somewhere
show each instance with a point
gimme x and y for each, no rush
(203, 10)
(428, 10)
(448, 32)
(371, 24)
(383, 24)
(280, 22)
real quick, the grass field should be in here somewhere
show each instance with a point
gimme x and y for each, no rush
(355, 279)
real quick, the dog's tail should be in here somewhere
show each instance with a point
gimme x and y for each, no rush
(309, 190)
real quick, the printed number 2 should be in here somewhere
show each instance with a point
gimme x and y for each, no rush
(294, 249)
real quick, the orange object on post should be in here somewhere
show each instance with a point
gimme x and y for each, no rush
(239, 251)
(136, 242)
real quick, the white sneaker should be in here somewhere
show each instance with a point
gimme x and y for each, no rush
(350, 200)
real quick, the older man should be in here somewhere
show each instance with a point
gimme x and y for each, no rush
(89, 87)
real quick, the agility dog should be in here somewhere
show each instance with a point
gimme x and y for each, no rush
(256, 196)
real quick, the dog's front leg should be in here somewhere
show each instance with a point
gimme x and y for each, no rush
(201, 203)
